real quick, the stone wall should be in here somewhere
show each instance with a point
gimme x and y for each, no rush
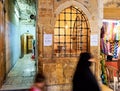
(59, 71)
(112, 9)
(2, 44)
(12, 35)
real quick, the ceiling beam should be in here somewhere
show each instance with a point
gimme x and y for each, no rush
(112, 13)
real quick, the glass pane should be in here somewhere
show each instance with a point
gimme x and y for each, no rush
(62, 24)
(62, 17)
(56, 31)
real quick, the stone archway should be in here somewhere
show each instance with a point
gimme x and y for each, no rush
(73, 3)
(95, 15)
(92, 20)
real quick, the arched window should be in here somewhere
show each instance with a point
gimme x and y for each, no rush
(71, 33)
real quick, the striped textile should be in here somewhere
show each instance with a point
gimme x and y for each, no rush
(115, 50)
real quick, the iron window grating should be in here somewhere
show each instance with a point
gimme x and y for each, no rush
(82, 31)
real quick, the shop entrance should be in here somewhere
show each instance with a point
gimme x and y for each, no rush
(110, 50)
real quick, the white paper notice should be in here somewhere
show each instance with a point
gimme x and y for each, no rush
(94, 40)
(47, 39)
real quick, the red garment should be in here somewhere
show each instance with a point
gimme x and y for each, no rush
(34, 89)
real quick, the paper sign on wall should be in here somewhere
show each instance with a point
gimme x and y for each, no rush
(94, 40)
(47, 39)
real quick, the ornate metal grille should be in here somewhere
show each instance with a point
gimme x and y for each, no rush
(71, 33)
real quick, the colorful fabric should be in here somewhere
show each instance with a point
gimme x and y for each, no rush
(112, 36)
(110, 32)
(103, 46)
(108, 47)
(115, 50)
(112, 47)
(117, 30)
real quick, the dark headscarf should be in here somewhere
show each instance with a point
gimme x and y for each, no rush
(84, 60)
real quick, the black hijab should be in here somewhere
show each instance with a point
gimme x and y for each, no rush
(84, 61)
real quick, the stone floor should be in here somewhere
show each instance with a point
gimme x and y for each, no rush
(22, 74)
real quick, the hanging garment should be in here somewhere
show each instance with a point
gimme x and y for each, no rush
(108, 47)
(103, 47)
(115, 55)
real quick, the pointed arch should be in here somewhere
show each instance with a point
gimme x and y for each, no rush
(75, 4)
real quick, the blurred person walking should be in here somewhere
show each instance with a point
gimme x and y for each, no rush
(39, 83)
(83, 78)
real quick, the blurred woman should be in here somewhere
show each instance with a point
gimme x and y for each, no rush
(83, 79)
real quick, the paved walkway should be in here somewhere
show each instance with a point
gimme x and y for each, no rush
(22, 74)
